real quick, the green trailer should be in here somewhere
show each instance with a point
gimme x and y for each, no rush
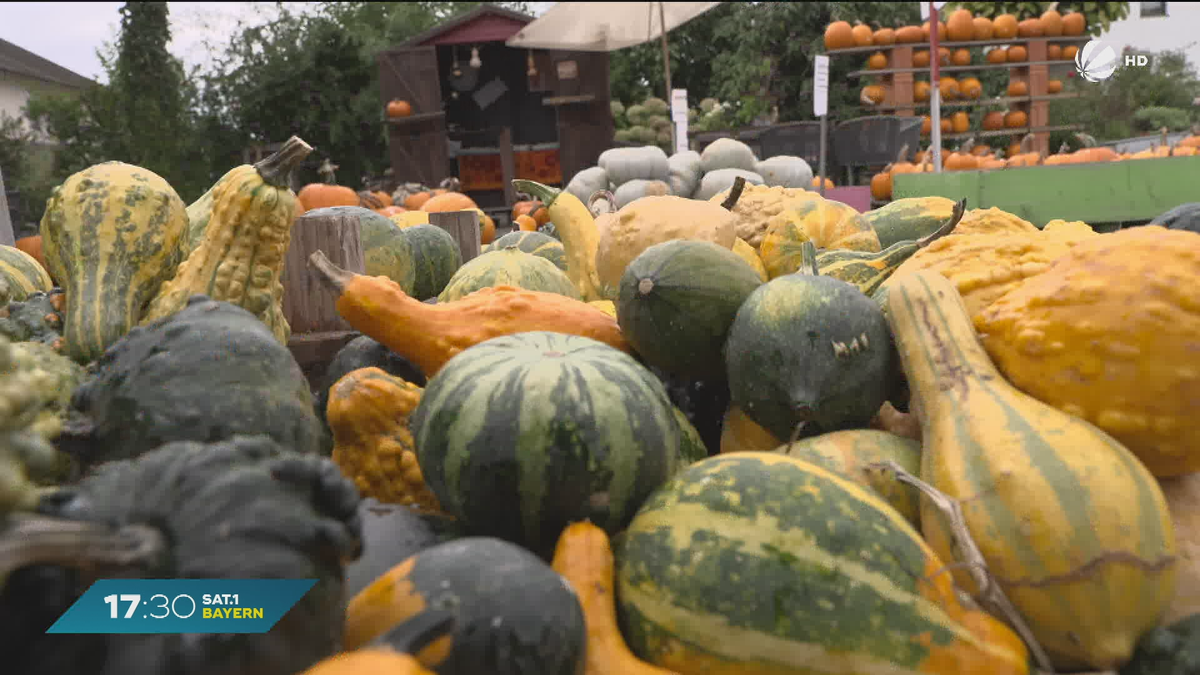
(1102, 194)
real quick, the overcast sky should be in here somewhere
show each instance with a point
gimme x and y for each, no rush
(69, 33)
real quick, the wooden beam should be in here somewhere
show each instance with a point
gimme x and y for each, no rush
(6, 226)
(508, 167)
(464, 227)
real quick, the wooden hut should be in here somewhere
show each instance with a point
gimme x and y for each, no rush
(542, 115)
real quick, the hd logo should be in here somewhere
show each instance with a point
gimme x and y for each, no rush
(1097, 61)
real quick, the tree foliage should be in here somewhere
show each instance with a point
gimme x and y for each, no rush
(1099, 15)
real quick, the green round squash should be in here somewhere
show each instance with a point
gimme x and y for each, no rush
(855, 453)
(691, 444)
(755, 563)
(535, 243)
(435, 257)
(21, 275)
(812, 350)
(677, 301)
(512, 267)
(909, 219)
(385, 252)
(521, 435)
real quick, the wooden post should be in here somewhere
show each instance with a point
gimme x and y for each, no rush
(508, 168)
(464, 227)
(1038, 110)
(900, 87)
(308, 305)
(6, 226)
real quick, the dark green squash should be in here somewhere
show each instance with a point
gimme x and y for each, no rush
(392, 533)
(521, 435)
(534, 243)
(207, 373)
(811, 351)
(1169, 650)
(37, 318)
(677, 301)
(909, 219)
(435, 258)
(239, 509)
(1182, 217)
(513, 614)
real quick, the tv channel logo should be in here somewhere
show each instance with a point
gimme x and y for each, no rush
(1097, 61)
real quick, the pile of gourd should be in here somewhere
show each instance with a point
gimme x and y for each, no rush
(632, 173)
(952, 442)
(649, 122)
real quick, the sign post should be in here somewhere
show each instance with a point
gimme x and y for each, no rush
(821, 107)
(930, 12)
(679, 118)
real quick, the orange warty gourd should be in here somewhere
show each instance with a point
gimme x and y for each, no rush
(909, 34)
(1017, 53)
(430, 335)
(839, 35)
(1016, 119)
(1054, 86)
(1069, 52)
(884, 37)
(1005, 26)
(321, 195)
(1053, 52)
(961, 57)
(862, 35)
(877, 61)
(1074, 23)
(960, 122)
(981, 28)
(397, 108)
(994, 121)
(997, 55)
(450, 201)
(1018, 88)
(584, 557)
(1029, 28)
(960, 26)
(921, 91)
(1052, 23)
(970, 88)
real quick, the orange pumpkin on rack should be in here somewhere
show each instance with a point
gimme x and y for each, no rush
(1069, 52)
(961, 161)
(1053, 52)
(941, 29)
(877, 61)
(981, 28)
(909, 34)
(839, 35)
(970, 87)
(944, 56)
(872, 94)
(1005, 26)
(1054, 86)
(960, 26)
(1074, 23)
(1017, 53)
(397, 108)
(1052, 23)
(961, 57)
(926, 125)
(960, 122)
(884, 37)
(921, 91)
(920, 59)
(862, 35)
(1016, 119)
(997, 55)
(1017, 88)
(994, 121)
(947, 126)
(948, 86)
(1029, 28)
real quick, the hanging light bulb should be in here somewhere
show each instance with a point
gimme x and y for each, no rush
(475, 62)
(532, 70)
(455, 70)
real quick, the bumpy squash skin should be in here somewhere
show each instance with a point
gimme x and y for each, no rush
(509, 266)
(199, 213)
(826, 223)
(111, 235)
(584, 558)
(1111, 333)
(37, 318)
(854, 453)
(800, 542)
(368, 414)
(430, 335)
(758, 204)
(1075, 530)
(21, 275)
(240, 260)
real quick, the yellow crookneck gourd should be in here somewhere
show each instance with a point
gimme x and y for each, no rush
(1111, 333)
(580, 237)
(368, 413)
(241, 255)
(1074, 529)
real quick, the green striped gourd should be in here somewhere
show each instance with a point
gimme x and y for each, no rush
(521, 435)
(869, 270)
(1072, 526)
(21, 275)
(909, 219)
(691, 445)
(757, 563)
(857, 454)
(508, 267)
(111, 235)
(434, 256)
(534, 243)
(677, 301)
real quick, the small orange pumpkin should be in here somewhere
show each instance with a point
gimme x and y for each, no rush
(862, 35)
(449, 201)
(1074, 23)
(921, 91)
(415, 201)
(816, 183)
(1029, 28)
(920, 59)
(1052, 23)
(1069, 52)
(961, 161)
(1053, 52)
(970, 87)
(909, 34)
(947, 126)
(981, 28)
(1016, 119)
(526, 223)
(1017, 53)
(839, 35)
(948, 86)
(881, 186)
(877, 61)
(873, 93)
(961, 57)
(884, 37)
(1018, 88)
(941, 29)
(994, 121)
(1054, 86)
(960, 122)
(960, 25)
(926, 125)
(997, 55)
(321, 195)
(397, 108)
(1005, 26)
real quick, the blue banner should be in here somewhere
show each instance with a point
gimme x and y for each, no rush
(182, 606)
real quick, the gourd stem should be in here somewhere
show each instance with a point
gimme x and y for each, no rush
(99, 549)
(276, 170)
(808, 259)
(543, 193)
(735, 193)
(329, 274)
(952, 222)
(601, 194)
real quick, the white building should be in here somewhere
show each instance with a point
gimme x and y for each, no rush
(1157, 27)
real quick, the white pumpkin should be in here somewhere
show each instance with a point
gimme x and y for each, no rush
(721, 180)
(785, 171)
(625, 164)
(587, 182)
(726, 153)
(685, 173)
(638, 188)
